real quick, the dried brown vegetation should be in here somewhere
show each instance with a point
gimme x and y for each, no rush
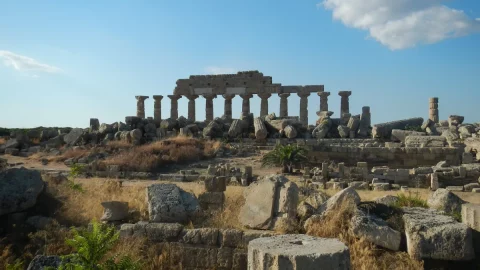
(151, 156)
(2, 141)
(363, 254)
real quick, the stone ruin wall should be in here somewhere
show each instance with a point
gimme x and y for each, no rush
(206, 248)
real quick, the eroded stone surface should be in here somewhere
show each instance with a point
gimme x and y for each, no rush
(168, 203)
(297, 252)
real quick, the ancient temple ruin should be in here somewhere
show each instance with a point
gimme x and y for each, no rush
(244, 84)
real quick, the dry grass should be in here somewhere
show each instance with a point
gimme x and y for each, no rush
(228, 218)
(422, 193)
(118, 145)
(151, 156)
(363, 254)
(79, 208)
(2, 141)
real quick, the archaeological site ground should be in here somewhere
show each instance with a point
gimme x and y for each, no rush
(263, 191)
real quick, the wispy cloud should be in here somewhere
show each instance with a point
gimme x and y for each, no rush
(24, 63)
(219, 70)
(402, 24)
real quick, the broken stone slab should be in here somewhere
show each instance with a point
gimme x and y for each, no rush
(290, 132)
(399, 135)
(455, 188)
(455, 120)
(381, 186)
(384, 130)
(74, 136)
(268, 198)
(471, 215)
(169, 203)
(425, 141)
(445, 200)
(297, 251)
(388, 200)
(114, 211)
(375, 230)
(471, 186)
(358, 185)
(344, 131)
(338, 198)
(433, 235)
(316, 199)
(476, 190)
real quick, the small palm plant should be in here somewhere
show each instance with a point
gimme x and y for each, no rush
(286, 156)
(91, 247)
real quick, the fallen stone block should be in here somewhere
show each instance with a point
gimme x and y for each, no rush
(399, 135)
(425, 141)
(375, 230)
(114, 211)
(168, 203)
(433, 235)
(445, 200)
(297, 252)
(471, 186)
(455, 188)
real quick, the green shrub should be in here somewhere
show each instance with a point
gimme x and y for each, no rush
(285, 156)
(91, 246)
(410, 200)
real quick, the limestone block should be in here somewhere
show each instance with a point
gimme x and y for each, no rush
(425, 141)
(215, 184)
(168, 203)
(375, 230)
(163, 232)
(434, 181)
(384, 130)
(476, 190)
(471, 215)
(203, 236)
(290, 132)
(399, 135)
(433, 235)
(445, 200)
(455, 188)
(297, 252)
(211, 200)
(230, 238)
(114, 211)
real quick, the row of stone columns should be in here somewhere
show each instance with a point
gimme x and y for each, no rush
(157, 115)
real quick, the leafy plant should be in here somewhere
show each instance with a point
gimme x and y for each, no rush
(17, 265)
(91, 246)
(410, 200)
(286, 156)
(75, 171)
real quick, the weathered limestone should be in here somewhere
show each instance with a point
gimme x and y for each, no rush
(209, 106)
(445, 200)
(304, 108)
(191, 107)
(246, 103)
(283, 104)
(344, 102)
(433, 235)
(434, 181)
(399, 135)
(264, 104)
(375, 230)
(433, 110)
(297, 252)
(365, 122)
(425, 141)
(455, 120)
(260, 128)
(471, 215)
(235, 128)
(323, 101)
(353, 124)
(290, 132)
(268, 200)
(157, 108)
(384, 130)
(168, 203)
(174, 105)
(228, 105)
(141, 106)
(114, 211)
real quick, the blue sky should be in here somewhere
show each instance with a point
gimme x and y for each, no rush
(63, 62)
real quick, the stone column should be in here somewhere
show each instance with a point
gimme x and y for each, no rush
(344, 103)
(304, 108)
(174, 106)
(228, 105)
(246, 103)
(284, 104)
(157, 108)
(209, 106)
(365, 122)
(323, 101)
(191, 107)
(264, 103)
(141, 106)
(433, 114)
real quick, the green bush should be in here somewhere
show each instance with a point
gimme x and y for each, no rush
(91, 246)
(285, 156)
(410, 200)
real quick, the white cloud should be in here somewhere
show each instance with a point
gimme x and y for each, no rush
(402, 24)
(24, 63)
(220, 70)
